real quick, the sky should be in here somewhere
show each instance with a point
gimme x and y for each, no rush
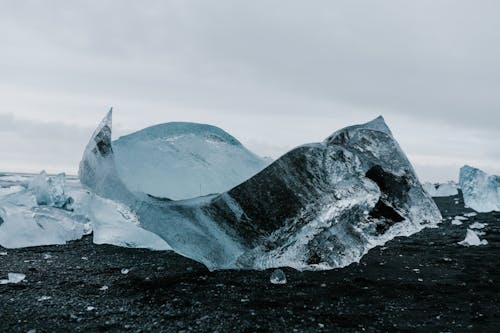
(275, 74)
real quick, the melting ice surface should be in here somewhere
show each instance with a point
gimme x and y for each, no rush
(481, 191)
(183, 160)
(320, 206)
(441, 190)
(44, 210)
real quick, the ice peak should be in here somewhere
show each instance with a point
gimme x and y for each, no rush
(378, 124)
(98, 158)
(107, 121)
(101, 140)
(467, 167)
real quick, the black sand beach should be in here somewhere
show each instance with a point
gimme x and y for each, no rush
(424, 283)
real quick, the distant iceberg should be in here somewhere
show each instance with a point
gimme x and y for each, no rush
(481, 191)
(441, 190)
(320, 206)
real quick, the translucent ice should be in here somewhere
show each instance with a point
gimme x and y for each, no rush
(25, 223)
(320, 206)
(278, 277)
(441, 190)
(49, 191)
(183, 160)
(45, 210)
(481, 191)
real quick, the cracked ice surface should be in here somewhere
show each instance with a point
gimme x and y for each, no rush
(320, 206)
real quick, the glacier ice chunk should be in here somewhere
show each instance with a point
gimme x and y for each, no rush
(25, 223)
(115, 224)
(481, 191)
(278, 277)
(183, 160)
(441, 190)
(320, 206)
(47, 210)
(49, 191)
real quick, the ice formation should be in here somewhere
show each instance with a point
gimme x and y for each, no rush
(183, 160)
(13, 278)
(442, 190)
(481, 191)
(46, 210)
(49, 191)
(38, 213)
(320, 206)
(278, 277)
(472, 239)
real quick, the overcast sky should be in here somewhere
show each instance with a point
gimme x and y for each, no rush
(275, 74)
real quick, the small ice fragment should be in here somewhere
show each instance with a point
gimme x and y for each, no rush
(85, 258)
(46, 256)
(477, 225)
(44, 298)
(125, 271)
(472, 239)
(3, 253)
(90, 308)
(103, 288)
(456, 222)
(13, 278)
(470, 214)
(278, 277)
(16, 277)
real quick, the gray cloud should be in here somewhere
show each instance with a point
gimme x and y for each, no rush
(273, 73)
(30, 146)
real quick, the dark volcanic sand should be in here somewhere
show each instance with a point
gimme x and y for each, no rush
(424, 283)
